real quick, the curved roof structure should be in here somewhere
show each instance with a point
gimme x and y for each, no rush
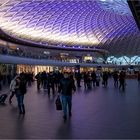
(83, 24)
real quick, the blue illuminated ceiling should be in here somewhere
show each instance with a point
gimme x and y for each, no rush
(106, 24)
(117, 6)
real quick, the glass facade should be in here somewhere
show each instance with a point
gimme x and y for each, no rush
(124, 60)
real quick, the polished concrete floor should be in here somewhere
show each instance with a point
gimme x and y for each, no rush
(98, 113)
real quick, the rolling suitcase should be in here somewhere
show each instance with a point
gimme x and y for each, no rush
(3, 98)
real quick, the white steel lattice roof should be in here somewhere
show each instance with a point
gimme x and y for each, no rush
(106, 24)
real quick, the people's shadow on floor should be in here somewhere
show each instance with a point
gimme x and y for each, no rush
(20, 129)
(14, 109)
(78, 90)
(87, 91)
(122, 92)
(38, 91)
(51, 96)
(3, 104)
(65, 129)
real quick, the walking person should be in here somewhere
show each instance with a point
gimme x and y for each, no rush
(78, 77)
(105, 79)
(139, 77)
(12, 89)
(38, 78)
(65, 88)
(122, 80)
(85, 80)
(98, 77)
(20, 92)
(1, 78)
(115, 77)
(93, 76)
(89, 80)
(50, 83)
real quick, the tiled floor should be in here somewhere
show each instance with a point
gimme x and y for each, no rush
(99, 113)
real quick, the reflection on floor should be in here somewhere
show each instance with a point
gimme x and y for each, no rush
(97, 113)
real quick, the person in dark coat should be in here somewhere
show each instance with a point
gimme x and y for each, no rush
(89, 80)
(50, 83)
(20, 91)
(139, 77)
(38, 78)
(85, 79)
(105, 79)
(115, 77)
(93, 76)
(78, 77)
(65, 88)
(122, 80)
(44, 79)
(1, 78)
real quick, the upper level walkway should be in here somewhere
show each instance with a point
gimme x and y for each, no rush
(9, 59)
(98, 113)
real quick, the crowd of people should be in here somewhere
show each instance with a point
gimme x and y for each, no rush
(64, 84)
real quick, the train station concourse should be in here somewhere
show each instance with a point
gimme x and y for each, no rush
(69, 69)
